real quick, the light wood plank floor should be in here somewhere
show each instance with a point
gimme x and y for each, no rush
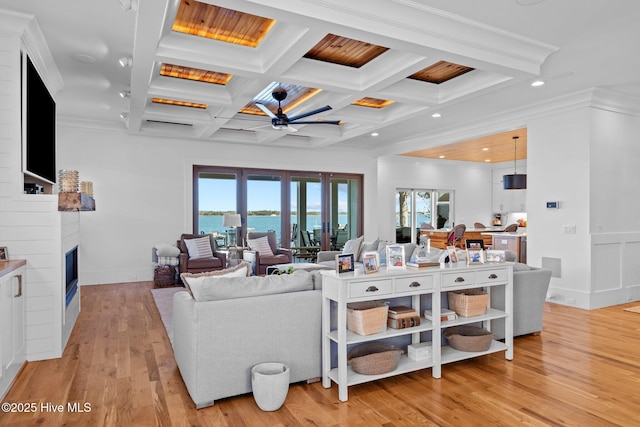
(583, 370)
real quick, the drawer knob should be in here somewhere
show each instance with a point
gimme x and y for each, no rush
(493, 276)
(415, 285)
(372, 289)
(459, 279)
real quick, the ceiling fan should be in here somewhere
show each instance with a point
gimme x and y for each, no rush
(280, 120)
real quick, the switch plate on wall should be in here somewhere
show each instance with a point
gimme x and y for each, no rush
(568, 229)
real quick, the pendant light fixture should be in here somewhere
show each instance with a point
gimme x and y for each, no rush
(515, 181)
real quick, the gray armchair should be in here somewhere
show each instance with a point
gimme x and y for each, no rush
(280, 255)
(530, 285)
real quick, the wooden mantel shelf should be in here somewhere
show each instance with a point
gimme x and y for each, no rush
(75, 202)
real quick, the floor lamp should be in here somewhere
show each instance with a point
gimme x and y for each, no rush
(231, 220)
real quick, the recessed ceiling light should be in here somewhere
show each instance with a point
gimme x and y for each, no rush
(441, 157)
(436, 115)
(485, 149)
(83, 58)
(537, 83)
(125, 61)
(125, 94)
(374, 134)
(487, 160)
(124, 115)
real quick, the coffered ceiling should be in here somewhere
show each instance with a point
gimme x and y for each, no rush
(197, 69)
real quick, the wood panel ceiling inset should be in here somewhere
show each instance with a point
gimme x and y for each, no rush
(440, 72)
(494, 148)
(345, 51)
(219, 23)
(197, 74)
(372, 102)
(178, 103)
(296, 95)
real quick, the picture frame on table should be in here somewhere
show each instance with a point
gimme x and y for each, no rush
(395, 257)
(496, 255)
(4, 253)
(474, 244)
(370, 262)
(475, 256)
(453, 255)
(345, 263)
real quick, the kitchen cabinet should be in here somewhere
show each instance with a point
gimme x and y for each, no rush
(12, 325)
(507, 201)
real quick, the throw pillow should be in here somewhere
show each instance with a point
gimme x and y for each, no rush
(261, 245)
(194, 282)
(199, 248)
(167, 250)
(352, 246)
(367, 247)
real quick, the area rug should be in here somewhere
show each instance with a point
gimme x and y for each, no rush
(635, 309)
(163, 297)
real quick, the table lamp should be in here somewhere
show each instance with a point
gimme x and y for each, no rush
(232, 220)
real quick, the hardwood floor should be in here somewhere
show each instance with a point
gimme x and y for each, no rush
(583, 370)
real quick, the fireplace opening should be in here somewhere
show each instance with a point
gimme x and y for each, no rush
(71, 274)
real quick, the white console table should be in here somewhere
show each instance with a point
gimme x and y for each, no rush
(416, 283)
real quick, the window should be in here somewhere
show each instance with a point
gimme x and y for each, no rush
(305, 209)
(415, 207)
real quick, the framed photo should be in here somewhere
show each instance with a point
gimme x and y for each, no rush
(475, 256)
(370, 262)
(474, 243)
(453, 255)
(4, 253)
(395, 256)
(495, 255)
(344, 263)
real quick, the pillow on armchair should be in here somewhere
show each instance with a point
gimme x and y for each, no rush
(261, 245)
(199, 248)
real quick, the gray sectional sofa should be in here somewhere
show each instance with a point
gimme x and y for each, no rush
(242, 321)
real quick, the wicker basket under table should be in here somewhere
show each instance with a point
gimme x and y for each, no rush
(368, 317)
(374, 358)
(468, 302)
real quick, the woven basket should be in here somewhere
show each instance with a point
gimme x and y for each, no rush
(374, 358)
(468, 302)
(164, 275)
(469, 338)
(366, 318)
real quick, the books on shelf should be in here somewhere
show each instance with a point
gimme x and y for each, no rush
(445, 314)
(401, 316)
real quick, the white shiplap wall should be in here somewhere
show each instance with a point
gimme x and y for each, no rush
(30, 225)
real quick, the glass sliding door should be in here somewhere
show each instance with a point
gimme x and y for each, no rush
(264, 204)
(344, 210)
(216, 194)
(313, 210)
(417, 207)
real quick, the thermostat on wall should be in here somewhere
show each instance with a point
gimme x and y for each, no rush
(553, 205)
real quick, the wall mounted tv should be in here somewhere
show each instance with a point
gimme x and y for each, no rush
(38, 125)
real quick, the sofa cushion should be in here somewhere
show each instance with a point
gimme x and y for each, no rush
(352, 246)
(199, 248)
(194, 282)
(226, 287)
(261, 245)
(367, 247)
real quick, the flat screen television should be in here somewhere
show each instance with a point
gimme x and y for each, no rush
(38, 125)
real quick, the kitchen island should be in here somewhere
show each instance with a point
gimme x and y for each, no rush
(514, 242)
(438, 237)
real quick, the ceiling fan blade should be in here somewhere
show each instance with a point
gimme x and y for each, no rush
(287, 127)
(266, 110)
(310, 113)
(317, 122)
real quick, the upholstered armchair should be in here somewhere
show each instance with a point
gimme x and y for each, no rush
(199, 253)
(263, 247)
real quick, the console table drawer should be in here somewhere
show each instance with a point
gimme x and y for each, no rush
(458, 279)
(489, 276)
(370, 288)
(409, 284)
